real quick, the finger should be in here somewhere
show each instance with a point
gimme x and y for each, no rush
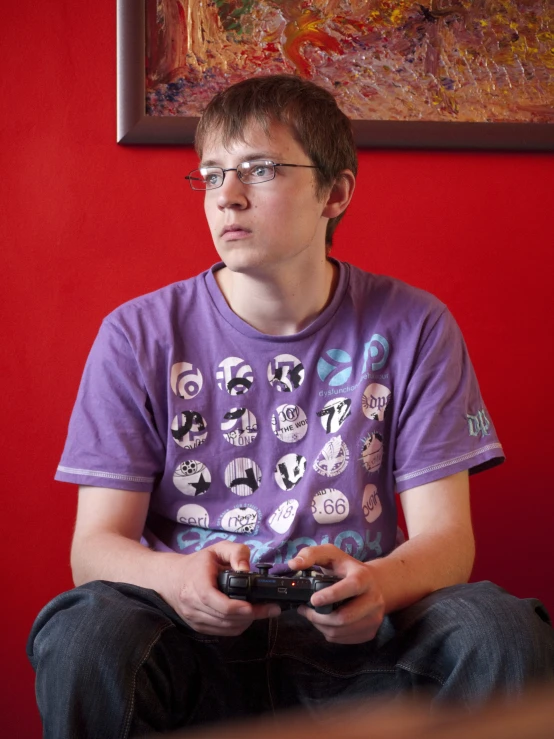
(266, 610)
(342, 590)
(342, 615)
(235, 555)
(325, 555)
(240, 561)
(221, 605)
(320, 619)
(215, 602)
(349, 633)
(234, 617)
(350, 638)
(206, 624)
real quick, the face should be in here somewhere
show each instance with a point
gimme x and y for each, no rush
(256, 228)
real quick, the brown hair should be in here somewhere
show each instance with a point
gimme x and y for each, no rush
(311, 113)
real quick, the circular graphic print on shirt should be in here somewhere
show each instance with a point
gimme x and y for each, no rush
(283, 518)
(289, 470)
(371, 504)
(193, 514)
(333, 458)
(243, 519)
(330, 506)
(285, 373)
(334, 413)
(335, 367)
(239, 427)
(186, 380)
(243, 476)
(375, 401)
(192, 477)
(189, 429)
(289, 423)
(372, 452)
(235, 376)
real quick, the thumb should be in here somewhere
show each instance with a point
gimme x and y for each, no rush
(235, 556)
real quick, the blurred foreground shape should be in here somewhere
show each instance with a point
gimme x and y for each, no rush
(529, 717)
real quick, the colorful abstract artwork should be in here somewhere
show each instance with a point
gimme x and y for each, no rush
(402, 63)
(436, 60)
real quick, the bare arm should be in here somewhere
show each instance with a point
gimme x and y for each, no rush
(438, 553)
(440, 549)
(106, 546)
(106, 542)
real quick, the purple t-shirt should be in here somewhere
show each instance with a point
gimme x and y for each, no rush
(277, 442)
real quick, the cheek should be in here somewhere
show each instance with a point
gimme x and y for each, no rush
(295, 210)
(210, 211)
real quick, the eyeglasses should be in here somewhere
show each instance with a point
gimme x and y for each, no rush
(250, 173)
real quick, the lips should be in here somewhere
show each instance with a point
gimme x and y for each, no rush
(232, 228)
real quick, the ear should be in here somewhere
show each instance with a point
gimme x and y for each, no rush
(340, 194)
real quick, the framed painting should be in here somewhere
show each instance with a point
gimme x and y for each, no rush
(432, 74)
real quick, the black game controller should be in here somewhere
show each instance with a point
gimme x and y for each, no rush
(261, 587)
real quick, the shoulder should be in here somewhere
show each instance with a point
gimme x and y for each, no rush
(161, 308)
(394, 299)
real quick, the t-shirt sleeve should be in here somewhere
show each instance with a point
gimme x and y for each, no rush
(443, 425)
(112, 438)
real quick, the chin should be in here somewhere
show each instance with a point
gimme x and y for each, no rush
(245, 266)
(243, 260)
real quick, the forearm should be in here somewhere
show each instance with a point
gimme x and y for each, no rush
(111, 556)
(424, 564)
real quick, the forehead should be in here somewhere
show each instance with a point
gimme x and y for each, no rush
(274, 141)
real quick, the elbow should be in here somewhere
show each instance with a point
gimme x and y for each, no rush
(77, 561)
(465, 561)
(470, 558)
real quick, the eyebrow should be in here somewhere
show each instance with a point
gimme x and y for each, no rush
(248, 158)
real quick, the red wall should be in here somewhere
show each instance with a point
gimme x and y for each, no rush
(86, 224)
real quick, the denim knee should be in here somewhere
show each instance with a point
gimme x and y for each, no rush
(507, 628)
(87, 646)
(480, 640)
(91, 621)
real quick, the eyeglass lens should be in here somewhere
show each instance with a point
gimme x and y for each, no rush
(208, 178)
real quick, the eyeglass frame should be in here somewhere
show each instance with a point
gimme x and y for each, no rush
(267, 162)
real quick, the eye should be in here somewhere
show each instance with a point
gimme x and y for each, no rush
(259, 170)
(212, 178)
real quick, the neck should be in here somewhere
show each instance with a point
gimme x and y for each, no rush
(282, 302)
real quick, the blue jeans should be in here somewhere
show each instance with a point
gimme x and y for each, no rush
(114, 660)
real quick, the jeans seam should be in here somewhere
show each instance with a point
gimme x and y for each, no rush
(272, 631)
(270, 646)
(332, 672)
(423, 673)
(401, 665)
(129, 717)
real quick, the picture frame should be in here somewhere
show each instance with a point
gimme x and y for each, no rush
(135, 126)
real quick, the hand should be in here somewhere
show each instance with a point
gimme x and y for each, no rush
(354, 622)
(192, 591)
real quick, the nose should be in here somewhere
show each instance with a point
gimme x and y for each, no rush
(232, 193)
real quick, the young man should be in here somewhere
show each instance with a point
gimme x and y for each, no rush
(268, 410)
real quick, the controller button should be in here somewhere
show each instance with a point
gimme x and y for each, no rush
(321, 585)
(238, 582)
